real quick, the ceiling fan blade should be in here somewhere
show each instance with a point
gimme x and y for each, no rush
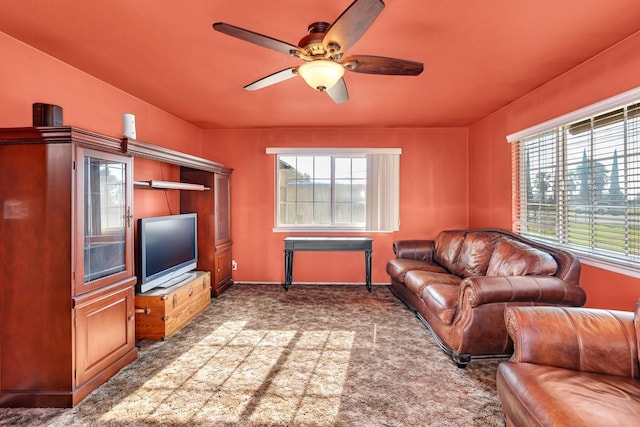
(351, 25)
(256, 38)
(338, 92)
(380, 65)
(277, 77)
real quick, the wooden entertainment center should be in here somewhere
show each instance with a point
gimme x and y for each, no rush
(67, 300)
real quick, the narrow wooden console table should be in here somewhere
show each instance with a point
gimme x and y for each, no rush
(326, 244)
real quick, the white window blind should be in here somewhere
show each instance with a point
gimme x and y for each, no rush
(577, 185)
(337, 188)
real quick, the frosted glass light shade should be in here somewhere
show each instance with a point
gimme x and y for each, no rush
(321, 74)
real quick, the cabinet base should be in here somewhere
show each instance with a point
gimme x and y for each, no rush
(218, 290)
(62, 399)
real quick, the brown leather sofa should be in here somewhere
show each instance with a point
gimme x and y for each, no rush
(571, 367)
(460, 283)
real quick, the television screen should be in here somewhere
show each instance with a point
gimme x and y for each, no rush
(168, 248)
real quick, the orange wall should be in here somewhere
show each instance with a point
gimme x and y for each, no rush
(28, 75)
(434, 176)
(440, 170)
(613, 71)
(433, 194)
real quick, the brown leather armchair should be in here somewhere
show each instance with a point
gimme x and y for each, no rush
(571, 367)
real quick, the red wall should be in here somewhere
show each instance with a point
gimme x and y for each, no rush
(449, 178)
(612, 72)
(433, 165)
(27, 76)
(433, 195)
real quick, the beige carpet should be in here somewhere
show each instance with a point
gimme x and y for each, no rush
(312, 356)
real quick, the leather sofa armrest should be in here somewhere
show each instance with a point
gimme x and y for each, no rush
(421, 250)
(581, 339)
(526, 289)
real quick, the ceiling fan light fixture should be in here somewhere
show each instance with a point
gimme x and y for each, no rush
(321, 74)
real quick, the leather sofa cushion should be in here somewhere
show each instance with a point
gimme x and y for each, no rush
(447, 248)
(398, 267)
(590, 340)
(442, 300)
(416, 280)
(512, 258)
(543, 395)
(475, 253)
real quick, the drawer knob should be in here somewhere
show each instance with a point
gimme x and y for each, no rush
(144, 311)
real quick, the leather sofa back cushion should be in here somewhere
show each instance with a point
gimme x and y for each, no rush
(512, 258)
(447, 248)
(475, 253)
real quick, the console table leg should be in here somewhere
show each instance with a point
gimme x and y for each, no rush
(367, 266)
(288, 269)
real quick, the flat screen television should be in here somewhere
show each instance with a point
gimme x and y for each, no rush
(167, 250)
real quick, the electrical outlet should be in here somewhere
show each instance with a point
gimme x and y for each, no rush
(234, 264)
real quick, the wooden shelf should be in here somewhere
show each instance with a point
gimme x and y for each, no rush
(170, 185)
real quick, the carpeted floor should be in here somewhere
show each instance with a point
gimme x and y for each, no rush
(312, 356)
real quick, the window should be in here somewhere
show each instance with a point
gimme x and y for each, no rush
(337, 189)
(577, 184)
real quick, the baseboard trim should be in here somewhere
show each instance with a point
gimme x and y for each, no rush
(310, 283)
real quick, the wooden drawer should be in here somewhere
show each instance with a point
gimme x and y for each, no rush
(160, 313)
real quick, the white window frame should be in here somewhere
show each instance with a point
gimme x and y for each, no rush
(383, 187)
(625, 259)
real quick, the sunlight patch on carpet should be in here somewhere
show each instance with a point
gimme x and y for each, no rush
(308, 387)
(276, 377)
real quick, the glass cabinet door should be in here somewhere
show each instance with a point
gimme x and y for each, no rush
(222, 197)
(104, 224)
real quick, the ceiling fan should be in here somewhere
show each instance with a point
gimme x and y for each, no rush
(323, 48)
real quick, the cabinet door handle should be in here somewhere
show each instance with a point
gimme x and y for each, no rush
(190, 290)
(175, 300)
(204, 283)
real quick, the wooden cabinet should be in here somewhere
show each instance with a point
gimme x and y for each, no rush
(104, 332)
(66, 264)
(222, 276)
(160, 312)
(222, 196)
(214, 222)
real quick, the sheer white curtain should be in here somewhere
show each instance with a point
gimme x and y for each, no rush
(383, 192)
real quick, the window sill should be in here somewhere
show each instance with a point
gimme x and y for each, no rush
(609, 266)
(319, 229)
